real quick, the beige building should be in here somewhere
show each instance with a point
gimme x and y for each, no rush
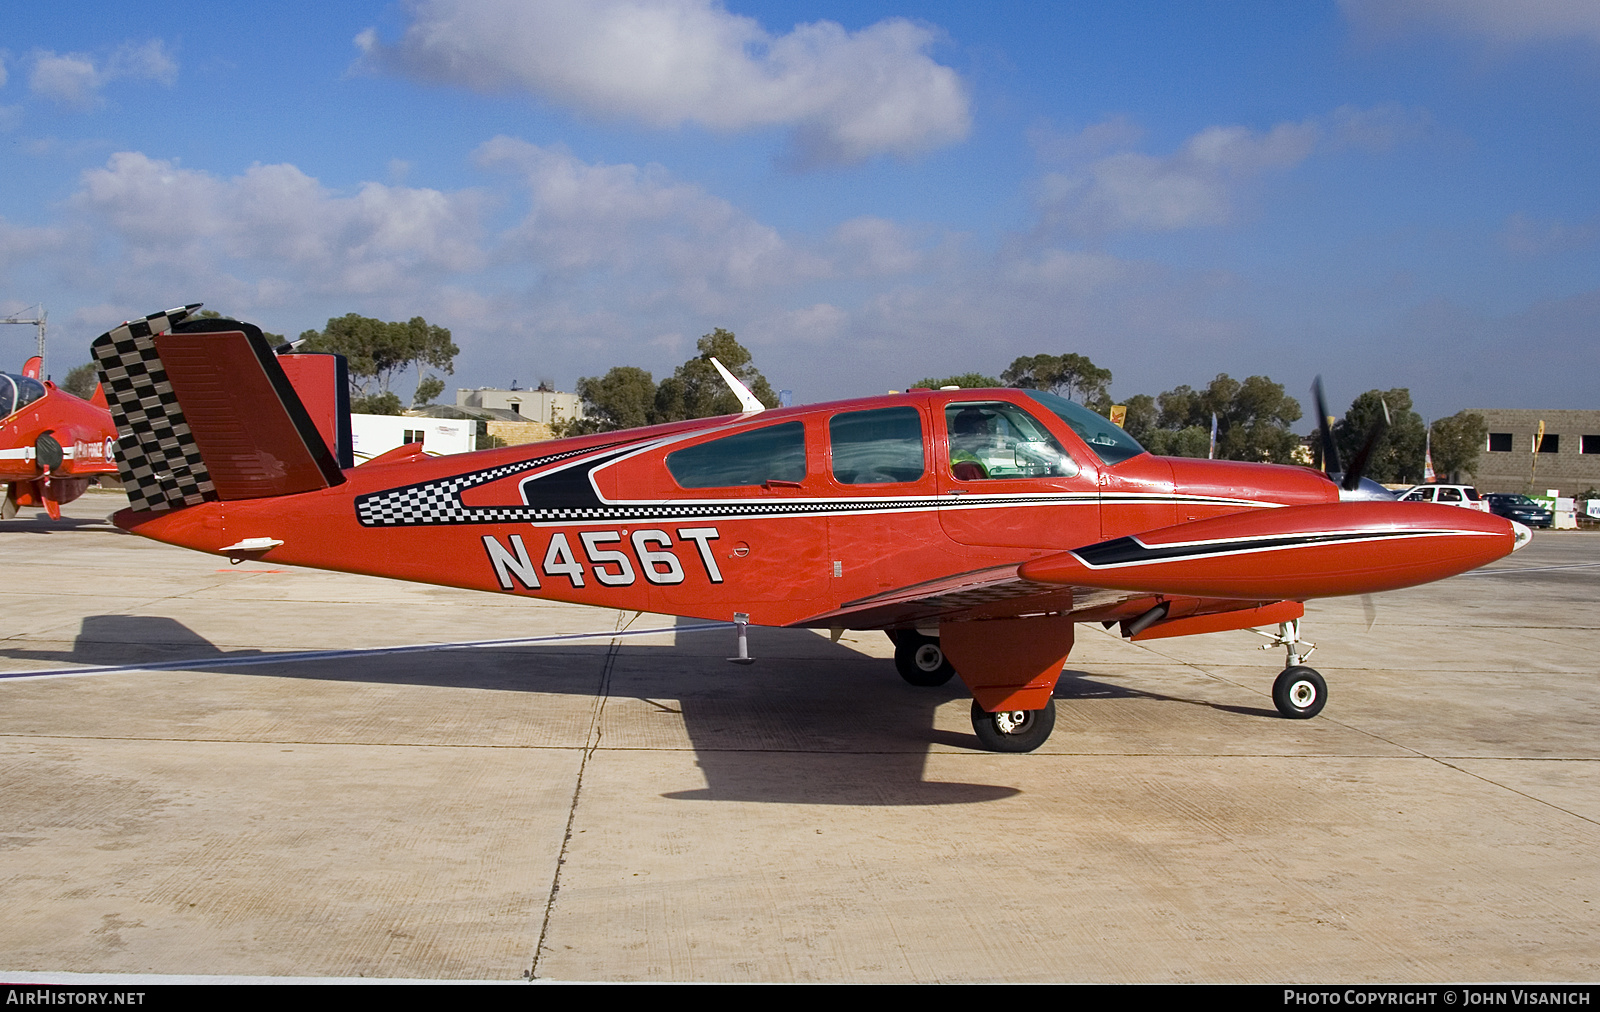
(550, 407)
(1568, 459)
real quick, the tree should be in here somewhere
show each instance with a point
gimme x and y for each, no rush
(427, 390)
(623, 398)
(1254, 423)
(211, 314)
(81, 381)
(697, 390)
(1457, 441)
(1253, 419)
(1141, 417)
(1397, 453)
(1068, 375)
(377, 352)
(966, 380)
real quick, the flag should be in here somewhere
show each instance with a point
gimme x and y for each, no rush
(1427, 457)
(1119, 414)
(1211, 454)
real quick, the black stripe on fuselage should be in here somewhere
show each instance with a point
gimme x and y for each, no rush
(1130, 551)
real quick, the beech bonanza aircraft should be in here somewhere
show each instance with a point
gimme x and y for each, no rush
(51, 443)
(975, 527)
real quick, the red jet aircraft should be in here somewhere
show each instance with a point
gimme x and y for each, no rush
(975, 527)
(51, 443)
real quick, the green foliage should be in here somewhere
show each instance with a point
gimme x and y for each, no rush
(628, 397)
(426, 391)
(1397, 454)
(486, 441)
(1457, 441)
(1140, 422)
(623, 398)
(211, 314)
(1070, 375)
(376, 352)
(697, 390)
(966, 381)
(81, 381)
(1253, 419)
(385, 403)
(1194, 441)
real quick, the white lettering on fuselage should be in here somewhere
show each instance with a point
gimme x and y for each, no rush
(610, 567)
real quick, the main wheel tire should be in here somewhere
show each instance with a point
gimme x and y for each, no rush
(1299, 693)
(921, 661)
(1013, 730)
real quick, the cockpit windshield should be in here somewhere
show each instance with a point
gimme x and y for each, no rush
(17, 392)
(1108, 441)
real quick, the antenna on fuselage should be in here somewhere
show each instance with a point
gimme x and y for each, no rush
(747, 400)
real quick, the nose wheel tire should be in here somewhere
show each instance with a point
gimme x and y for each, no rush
(1299, 693)
(920, 660)
(1013, 730)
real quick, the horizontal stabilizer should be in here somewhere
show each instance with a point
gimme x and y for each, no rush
(204, 412)
(1289, 553)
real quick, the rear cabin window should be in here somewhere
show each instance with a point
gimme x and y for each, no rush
(877, 447)
(755, 457)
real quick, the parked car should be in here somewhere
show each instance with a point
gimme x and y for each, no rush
(1450, 495)
(1519, 508)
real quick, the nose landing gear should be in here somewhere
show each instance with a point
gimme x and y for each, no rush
(1298, 692)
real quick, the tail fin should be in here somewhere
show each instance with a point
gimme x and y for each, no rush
(204, 412)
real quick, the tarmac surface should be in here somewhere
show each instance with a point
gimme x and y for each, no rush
(630, 807)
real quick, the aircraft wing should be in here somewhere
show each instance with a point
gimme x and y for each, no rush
(1236, 571)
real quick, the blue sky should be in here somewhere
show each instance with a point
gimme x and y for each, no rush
(1386, 192)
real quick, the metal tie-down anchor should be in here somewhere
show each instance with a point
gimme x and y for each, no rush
(741, 622)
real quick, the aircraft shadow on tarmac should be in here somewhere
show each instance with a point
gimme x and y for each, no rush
(25, 523)
(811, 722)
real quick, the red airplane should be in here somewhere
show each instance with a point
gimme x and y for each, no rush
(975, 527)
(51, 443)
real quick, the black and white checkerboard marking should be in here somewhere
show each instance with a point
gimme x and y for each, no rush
(157, 458)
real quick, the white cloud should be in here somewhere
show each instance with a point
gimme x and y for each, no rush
(1192, 187)
(274, 230)
(1532, 237)
(671, 239)
(847, 96)
(74, 80)
(1503, 22)
(1199, 184)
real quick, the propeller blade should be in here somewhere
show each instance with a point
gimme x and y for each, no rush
(1352, 477)
(1330, 452)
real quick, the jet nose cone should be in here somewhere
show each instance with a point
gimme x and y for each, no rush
(1520, 534)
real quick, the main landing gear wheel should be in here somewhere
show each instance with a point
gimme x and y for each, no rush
(1299, 693)
(920, 660)
(1013, 730)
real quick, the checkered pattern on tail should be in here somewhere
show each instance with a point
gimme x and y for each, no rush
(157, 458)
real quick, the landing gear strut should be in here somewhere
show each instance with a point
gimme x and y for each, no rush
(1299, 692)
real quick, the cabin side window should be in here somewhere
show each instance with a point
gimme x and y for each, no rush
(878, 447)
(753, 457)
